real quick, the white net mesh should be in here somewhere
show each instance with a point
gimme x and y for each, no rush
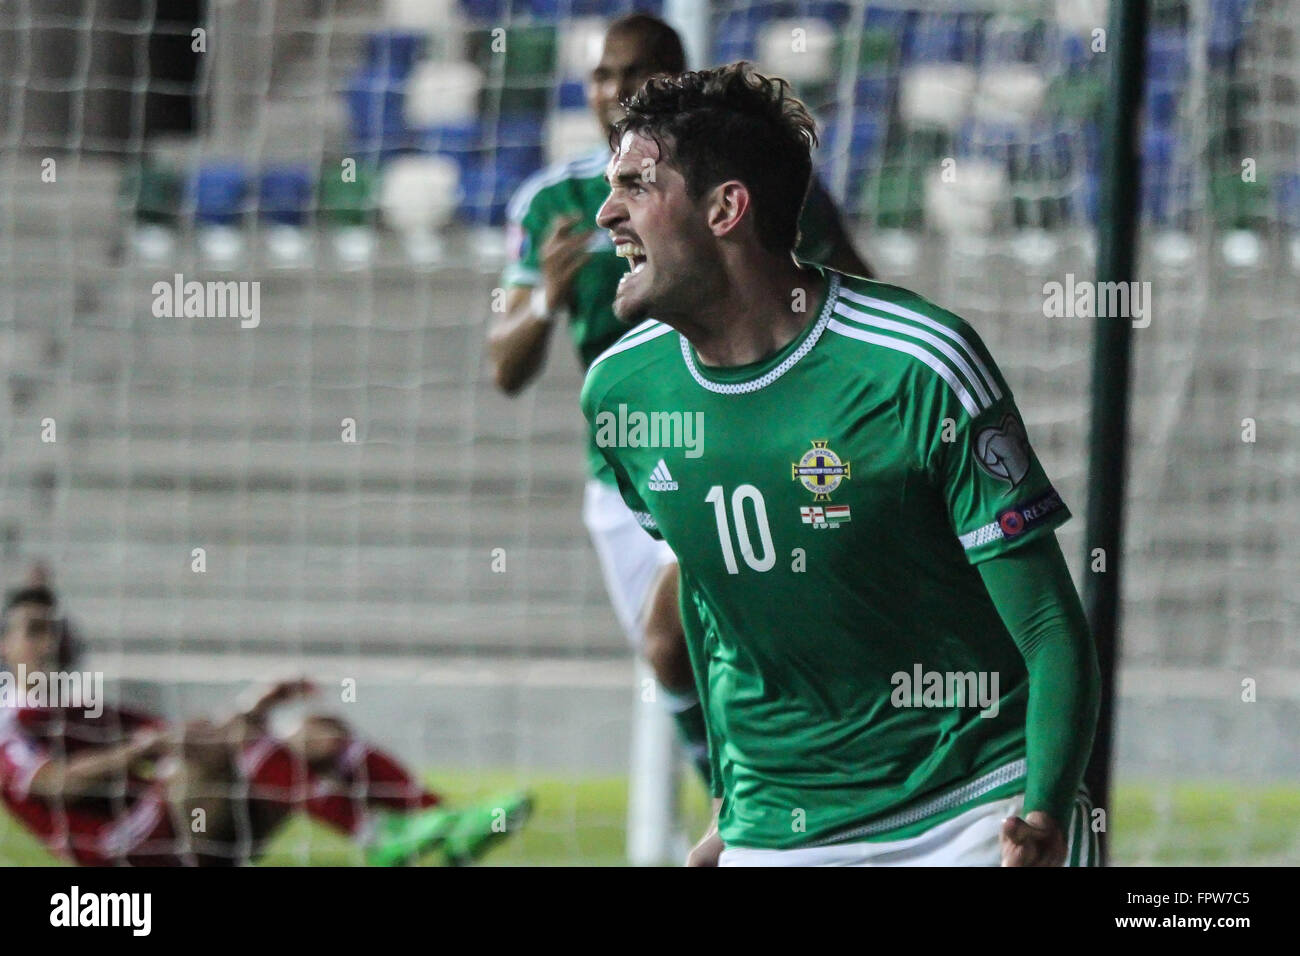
(1005, 98)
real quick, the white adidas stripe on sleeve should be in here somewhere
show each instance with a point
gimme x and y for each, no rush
(899, 345)
(900, 328)
(880, 305)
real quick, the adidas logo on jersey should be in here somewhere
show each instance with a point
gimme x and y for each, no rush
(660, 479)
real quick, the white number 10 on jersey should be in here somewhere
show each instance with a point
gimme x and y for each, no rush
(766, 557)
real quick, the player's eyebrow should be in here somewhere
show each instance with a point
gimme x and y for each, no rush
(624, 178)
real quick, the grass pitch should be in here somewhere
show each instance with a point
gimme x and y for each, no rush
(580, 822)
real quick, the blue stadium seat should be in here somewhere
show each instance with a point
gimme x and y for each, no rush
(1167, 54)
(736, 35)
(1091, 198)
(1286, 191)
(1075, 52)
(459, 141)
(1159, 147)
(901, 23)
(944, 38)
(219, 193)
(486, 188)
(285, 194)
(833, 11)
(1226, 29)
(1161, 98)
(517, 163)
(874, 96)
(451, 137)
(493, 10)
(510, 150)
(734, 38)
(393, 52)
(1046, 149)
(558, 9)
(515, 130)
(865, 142)
(474, 206)
(375, 105)
(573, 94)
(990, 141)
(1166, 179)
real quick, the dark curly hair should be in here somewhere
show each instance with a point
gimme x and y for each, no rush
(41, 594)
(731, 123)
(663, 46)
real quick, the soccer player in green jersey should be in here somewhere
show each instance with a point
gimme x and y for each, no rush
(563, 270)
(894, 663)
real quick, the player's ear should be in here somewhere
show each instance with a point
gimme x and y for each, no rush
(728, 203)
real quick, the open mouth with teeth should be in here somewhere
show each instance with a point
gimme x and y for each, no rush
(635, 256)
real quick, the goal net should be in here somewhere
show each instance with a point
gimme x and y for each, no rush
(311, 472)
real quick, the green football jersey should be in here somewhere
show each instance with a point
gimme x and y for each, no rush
(578, 188)
(827, 506)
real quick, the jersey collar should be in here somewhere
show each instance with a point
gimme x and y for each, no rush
(750, 378)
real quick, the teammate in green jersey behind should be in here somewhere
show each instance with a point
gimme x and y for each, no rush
(562, 269)
(893, 661)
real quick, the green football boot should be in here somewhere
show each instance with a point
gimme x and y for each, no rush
(401, 838)
(482, 826)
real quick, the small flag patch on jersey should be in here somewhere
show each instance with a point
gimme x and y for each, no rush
(837, 512)
(813, 515)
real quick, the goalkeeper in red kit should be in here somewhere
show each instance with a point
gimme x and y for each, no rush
(109, 786)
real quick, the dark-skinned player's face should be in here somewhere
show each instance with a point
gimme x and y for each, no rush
(625, 64)
(658, 228)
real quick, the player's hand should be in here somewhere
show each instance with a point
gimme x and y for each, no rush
(281, 692)
(151, 753)
(707, 851)
(563, 253)
(153, 743)
(1035, 840)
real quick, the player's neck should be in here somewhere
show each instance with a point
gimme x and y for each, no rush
(758, 312)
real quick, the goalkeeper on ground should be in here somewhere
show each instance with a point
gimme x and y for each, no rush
(122, 787)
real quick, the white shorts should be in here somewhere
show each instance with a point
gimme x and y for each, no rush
(970, 839)
(629, 558)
